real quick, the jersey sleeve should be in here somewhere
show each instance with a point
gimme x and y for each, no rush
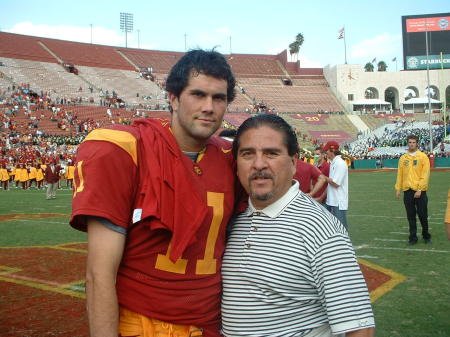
(105, 183)
(399, 180)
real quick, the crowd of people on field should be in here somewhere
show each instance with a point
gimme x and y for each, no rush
(24, 158)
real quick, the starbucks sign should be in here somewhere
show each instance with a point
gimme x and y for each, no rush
(420, 62)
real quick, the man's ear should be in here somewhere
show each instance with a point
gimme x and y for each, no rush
(174, 101)
(294, 159)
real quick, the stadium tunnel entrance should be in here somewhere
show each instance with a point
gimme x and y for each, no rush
(371, 93)
(410, 92)
(391, 95)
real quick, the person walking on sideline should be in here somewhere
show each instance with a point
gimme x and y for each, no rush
(413, 175)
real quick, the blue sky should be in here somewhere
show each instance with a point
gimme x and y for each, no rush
(373, 29)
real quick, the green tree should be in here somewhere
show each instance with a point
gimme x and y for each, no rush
(294, 47)
(368, 67)
(382, 66)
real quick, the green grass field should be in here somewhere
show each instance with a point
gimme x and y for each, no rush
(417, 307)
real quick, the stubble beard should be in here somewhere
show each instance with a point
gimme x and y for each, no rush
(253, 194)
(261, 197)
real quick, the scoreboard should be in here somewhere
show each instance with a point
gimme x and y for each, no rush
(414, 28)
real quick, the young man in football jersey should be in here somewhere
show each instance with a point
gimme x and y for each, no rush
(155, 199)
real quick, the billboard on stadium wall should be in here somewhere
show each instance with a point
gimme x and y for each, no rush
(414, 28)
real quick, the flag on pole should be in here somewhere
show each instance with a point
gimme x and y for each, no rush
(374, 60)
(341, 33)
(394, 59)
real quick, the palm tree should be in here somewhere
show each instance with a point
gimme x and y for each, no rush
(382, 66)
(299, 39)
(294, 47)
(368, 67)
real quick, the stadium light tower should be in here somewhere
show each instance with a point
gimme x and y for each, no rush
(126, 25)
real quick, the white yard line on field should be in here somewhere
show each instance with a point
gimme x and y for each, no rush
(367, 257)
(33, 220)
(405, 249)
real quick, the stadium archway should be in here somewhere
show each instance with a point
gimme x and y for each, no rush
(410, 92)
(434, 92)
(391, 96)
(371, 93)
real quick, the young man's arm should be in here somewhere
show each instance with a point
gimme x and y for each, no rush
(105, 248)
(369, 332)
(399, 180)
(424, 176)
(321, 180)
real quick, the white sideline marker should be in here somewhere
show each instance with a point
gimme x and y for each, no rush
(407, 249)
(378, 239)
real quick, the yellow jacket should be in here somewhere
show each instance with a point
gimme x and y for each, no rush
(4, 176)
(39, 174)
(413, 172)
(447, 213)
(32, 174)
(70, 172)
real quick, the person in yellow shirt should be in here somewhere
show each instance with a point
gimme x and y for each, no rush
(23, 175)
(39, 176)
(4, 176)
(32, 174)
(447, 216)
(70, 173)
(412, 178)
(16, 172)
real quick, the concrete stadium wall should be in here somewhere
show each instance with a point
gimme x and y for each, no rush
(345, 79)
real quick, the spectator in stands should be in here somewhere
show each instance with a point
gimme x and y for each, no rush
(413, 175)
(284, 252)
(152, 276)
(337, 190)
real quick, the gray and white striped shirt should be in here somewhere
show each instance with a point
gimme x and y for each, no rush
(290, 268)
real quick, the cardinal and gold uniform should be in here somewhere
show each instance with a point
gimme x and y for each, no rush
(186, 291)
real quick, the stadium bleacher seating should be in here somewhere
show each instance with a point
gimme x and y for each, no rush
(85, 54)
(113, 68)
(47, 77)
(267, 81)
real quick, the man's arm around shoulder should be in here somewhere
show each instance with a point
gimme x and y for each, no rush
(369, 332)
(105, 248)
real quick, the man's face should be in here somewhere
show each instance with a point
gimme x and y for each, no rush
(264, 166)
(198, 112)
(330, 154)
(320, 154)
(412, 145)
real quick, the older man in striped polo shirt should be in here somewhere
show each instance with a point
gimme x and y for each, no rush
(289, 267)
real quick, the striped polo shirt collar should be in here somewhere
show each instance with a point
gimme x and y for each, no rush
(275, 209)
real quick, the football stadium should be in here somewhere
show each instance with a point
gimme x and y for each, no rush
(56, 92)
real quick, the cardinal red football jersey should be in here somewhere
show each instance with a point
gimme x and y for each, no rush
(148, 282)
